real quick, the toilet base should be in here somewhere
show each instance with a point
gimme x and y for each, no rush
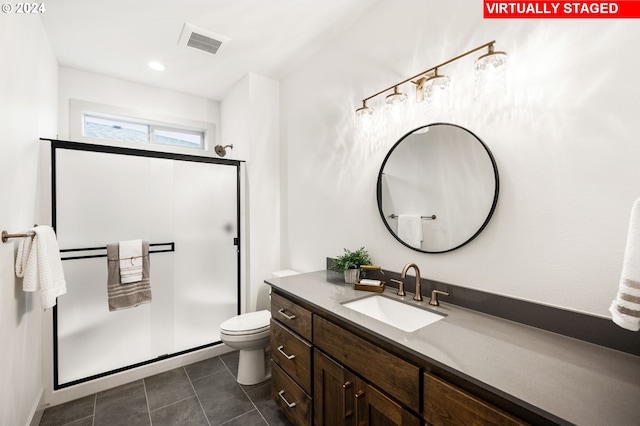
(252, 367)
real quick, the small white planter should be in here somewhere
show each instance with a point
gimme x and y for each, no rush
(351, 276)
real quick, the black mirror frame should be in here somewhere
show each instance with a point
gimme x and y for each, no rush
(495, 194)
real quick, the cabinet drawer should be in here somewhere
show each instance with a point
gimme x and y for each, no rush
(445, 404)
(392, 375)
(293, 316)
(290, 397)
(292, 354)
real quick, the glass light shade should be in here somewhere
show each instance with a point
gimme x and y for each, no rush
(436, 89)
(491, 75)
(396, 98)
(363, 111)
(394, 106)
(364, 117)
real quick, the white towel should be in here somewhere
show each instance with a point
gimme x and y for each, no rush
(43, 270)
(625, 309)
(130, 255)
(24, 248)
(410, 229)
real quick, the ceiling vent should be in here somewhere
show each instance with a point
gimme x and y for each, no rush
(201, 39)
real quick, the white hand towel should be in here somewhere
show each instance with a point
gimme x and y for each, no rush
(625, 309)
(43, 271)
(24, 248)
(410, 229)
(130, 258)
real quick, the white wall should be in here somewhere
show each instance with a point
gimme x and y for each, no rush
(28, 93)
(250, 116)
(135, 97)
(565, 141)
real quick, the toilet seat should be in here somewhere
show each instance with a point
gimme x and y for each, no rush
(247, 324)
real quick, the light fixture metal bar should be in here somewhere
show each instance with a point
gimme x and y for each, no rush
(430, 69)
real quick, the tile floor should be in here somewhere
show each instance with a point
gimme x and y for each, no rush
(204, 393)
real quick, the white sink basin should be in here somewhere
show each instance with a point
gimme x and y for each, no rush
(395, 313)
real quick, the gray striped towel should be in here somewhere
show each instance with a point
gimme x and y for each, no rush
(625, 309)
(122, 296)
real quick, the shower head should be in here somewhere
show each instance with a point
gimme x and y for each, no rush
(221, 150)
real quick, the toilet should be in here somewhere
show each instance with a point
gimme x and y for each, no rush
(249, 334)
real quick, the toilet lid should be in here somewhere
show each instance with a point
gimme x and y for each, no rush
(252, 322)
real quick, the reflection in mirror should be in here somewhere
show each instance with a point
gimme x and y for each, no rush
(437, 188)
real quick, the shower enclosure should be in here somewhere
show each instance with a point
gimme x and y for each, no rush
(188, 208)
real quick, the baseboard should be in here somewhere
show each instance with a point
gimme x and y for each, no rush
(37, 410)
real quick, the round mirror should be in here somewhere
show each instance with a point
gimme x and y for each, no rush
(437, 188)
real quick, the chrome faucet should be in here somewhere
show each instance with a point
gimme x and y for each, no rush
(418, 295)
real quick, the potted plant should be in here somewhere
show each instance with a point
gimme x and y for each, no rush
(349, 264)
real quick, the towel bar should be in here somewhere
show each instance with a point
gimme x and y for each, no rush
(6, 235)
(171, 247)
(432, 217)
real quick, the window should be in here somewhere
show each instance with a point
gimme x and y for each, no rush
(130, 130)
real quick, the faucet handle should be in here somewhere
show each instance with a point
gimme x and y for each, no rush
(434, 297)
(400, 286)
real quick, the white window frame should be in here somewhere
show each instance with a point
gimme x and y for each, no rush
(78, 109)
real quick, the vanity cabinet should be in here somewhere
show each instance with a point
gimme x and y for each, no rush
(291, 354)
(325, 375)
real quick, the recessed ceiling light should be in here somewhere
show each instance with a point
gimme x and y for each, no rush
(154, 65)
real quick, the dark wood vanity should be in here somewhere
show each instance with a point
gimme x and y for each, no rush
(326, 372)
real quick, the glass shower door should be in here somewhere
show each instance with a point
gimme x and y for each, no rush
(191, 206)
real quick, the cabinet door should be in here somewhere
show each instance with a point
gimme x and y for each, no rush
(445, 404)
(375, 409)
(333, 394)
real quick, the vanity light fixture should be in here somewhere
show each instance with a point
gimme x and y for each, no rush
(490, 73)
(429, 83)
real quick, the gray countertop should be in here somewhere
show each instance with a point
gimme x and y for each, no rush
(576, 381)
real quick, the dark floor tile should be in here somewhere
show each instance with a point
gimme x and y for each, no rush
(201, 369)
(261, 397)
(125, 405)
(221, 397)
(231, 361)
(187, 412)
(69, 412)
(87, 421)
(167, 388)
(252, 418)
